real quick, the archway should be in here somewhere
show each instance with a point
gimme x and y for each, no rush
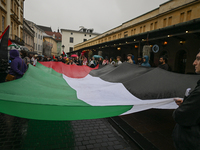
(181, 60)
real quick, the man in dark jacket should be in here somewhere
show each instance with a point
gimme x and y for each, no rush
(18, 66)
(163, 63)
(186, 133)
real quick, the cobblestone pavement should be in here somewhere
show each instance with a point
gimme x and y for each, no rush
(17, 133)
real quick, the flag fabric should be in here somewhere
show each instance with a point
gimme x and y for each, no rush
(4, 44)
(7, 29)
(56, 91)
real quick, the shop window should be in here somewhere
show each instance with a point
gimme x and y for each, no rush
(182, 17)
(189, 15)
(181, 60)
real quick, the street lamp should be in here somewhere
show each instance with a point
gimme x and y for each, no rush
(63, 47)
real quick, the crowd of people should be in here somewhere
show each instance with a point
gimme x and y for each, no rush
(93, 62)
(21, 60)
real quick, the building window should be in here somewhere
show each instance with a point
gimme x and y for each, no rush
(165, 22)
(119, 35)
(134, 31)
(11, 28)
(189, 15)
(90, 35)
(140, 29)
(182, 17)
(114, 37)
(155, 25)
(84, 40)
(71, 40)
(144, 28)
(38, 36)
(126, 34)
(36, 46)
(85, 34)
(151, 26)
(11, 4)
(71, 33)
(71, 49)
(170, 21)
(17, 31)
(14, 7)
(3, 23)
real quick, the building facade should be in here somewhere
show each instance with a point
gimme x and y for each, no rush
(12, 13)
(73, 37)
(58, 37)
(171, 30)
(50, 45)
(38, 37)
(28, 37)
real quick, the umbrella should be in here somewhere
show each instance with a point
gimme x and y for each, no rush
(97, 56)
(74, 55)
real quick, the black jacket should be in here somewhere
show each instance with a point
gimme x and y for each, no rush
(165, 67)
(186, 133)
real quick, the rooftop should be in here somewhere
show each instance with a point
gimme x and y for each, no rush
(45, 28)
(56, 35)
(79, 31)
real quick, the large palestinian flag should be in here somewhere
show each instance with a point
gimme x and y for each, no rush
(55, 91)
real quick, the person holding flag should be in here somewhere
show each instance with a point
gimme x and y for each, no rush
(186, 133)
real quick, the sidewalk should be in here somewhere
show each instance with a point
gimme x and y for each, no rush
(18, 133)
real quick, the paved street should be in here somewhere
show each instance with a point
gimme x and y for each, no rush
(17, 133)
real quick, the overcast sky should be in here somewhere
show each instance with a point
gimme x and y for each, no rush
(101, 15)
